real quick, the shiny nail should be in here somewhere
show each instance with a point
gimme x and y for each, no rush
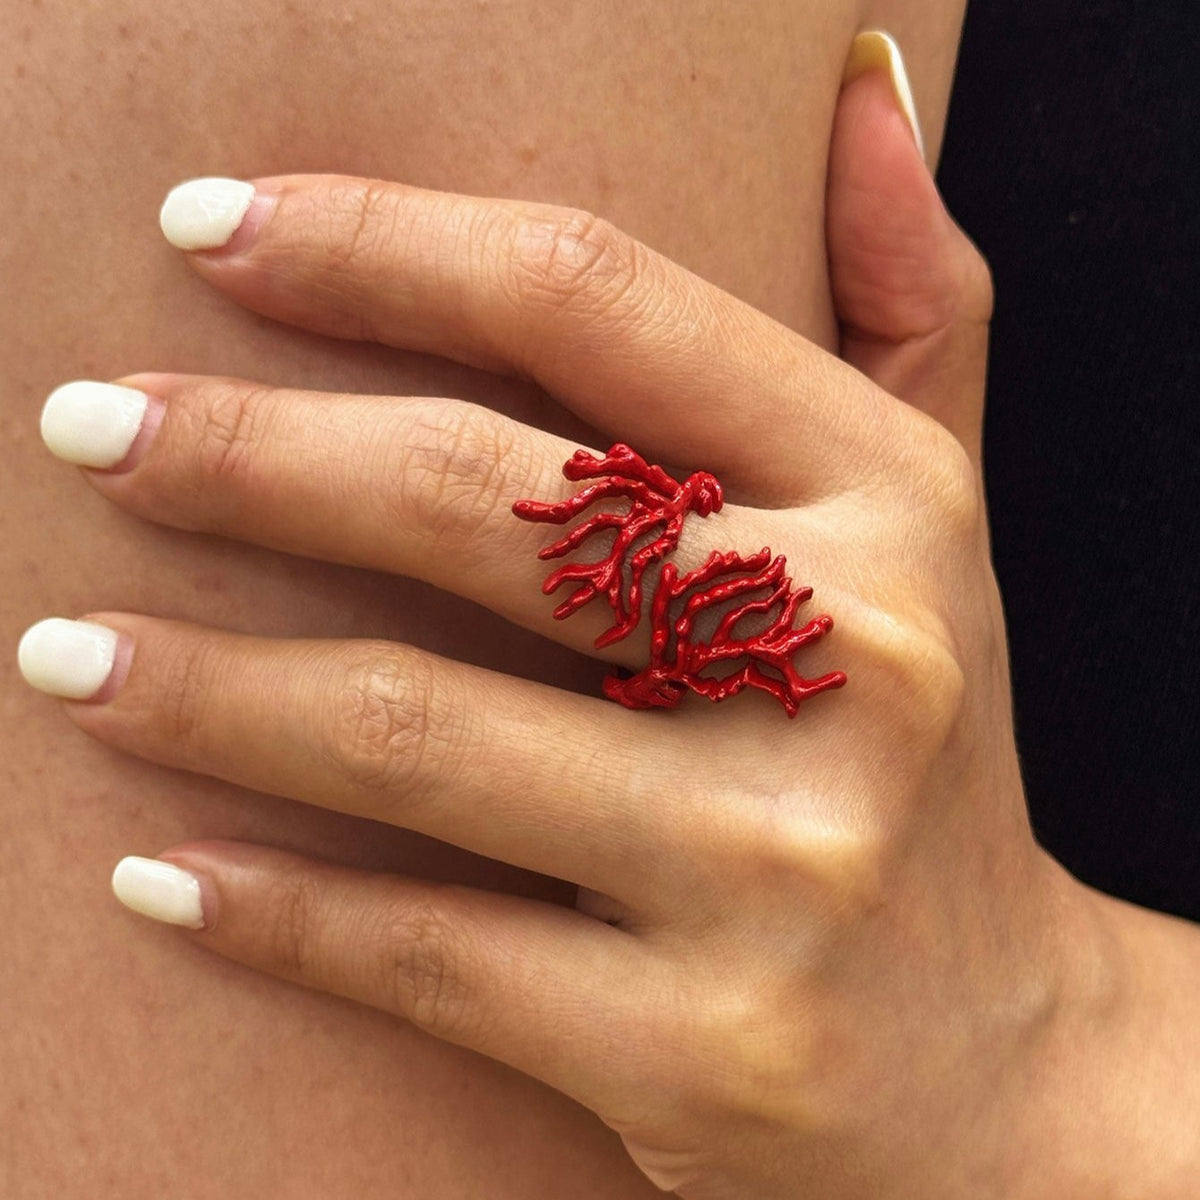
(69, 659)
(92, 424)
(203, 214)
(159, 890)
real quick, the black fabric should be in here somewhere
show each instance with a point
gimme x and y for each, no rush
(1070, 159)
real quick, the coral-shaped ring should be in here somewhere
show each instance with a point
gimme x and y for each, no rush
(724, 588)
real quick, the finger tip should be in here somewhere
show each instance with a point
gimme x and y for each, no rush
(215, 216)
(204, 213)
(73, 660)
(886, 224)
(877, 50)
(872, 138)
(162, 891)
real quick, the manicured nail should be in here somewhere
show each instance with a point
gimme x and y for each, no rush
(92, 424)
(69, 659)
(159, 890)
(203, 214)
(873, 50)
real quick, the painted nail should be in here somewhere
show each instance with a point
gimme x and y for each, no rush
(69, 659)
(159, 890)
(92, 424)
(203, 214)
(875, 50)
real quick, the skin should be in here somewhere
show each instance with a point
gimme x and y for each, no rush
(85, 1106)
(131, 1064)
(847, 962)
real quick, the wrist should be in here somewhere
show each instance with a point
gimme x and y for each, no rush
(1114, 1069)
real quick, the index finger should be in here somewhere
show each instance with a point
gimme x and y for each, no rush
(632, 342)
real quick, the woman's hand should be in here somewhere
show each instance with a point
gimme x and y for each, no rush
(822, 956)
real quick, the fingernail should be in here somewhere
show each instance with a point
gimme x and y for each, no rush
(203, 214)
(874, 50)
(159, 890)
(68, 659)
(93, 424)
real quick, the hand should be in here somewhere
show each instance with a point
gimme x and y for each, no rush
(810, 954)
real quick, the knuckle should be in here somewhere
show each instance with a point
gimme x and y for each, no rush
(394, 726)
(958, 287)
(185, 684)
(458, 470)
(231, 431)
(960, 494)
(977, 286)
(853, 870)
(425, 979)
(952, 490)
(577, 261)
(942, 697)
(924, 688)
(838, 870)
(292, 905)
(370, 225)
(755, 1040)
(339, 246)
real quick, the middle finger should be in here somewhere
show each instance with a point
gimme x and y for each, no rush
(414, 486)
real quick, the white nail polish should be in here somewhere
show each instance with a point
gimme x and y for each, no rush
(69, 659)
(92, 424)
(874, 49)
(203, 214)
(159, 890)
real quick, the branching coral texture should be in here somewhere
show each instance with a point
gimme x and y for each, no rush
(727, 584)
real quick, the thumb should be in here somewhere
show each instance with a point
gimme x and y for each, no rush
(912, 294)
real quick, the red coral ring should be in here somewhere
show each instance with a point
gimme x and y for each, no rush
(657, 507)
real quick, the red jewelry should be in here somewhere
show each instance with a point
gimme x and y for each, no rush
(657, 500)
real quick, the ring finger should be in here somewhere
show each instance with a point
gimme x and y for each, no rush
(514, 770)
